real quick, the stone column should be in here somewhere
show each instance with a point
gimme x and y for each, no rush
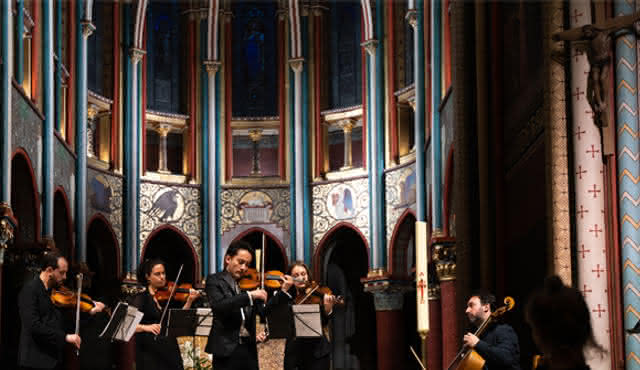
(444, 257)
(48, 112)
(163, 130)
(5, 105)
(347, 126)
(390, 333)
(297, 67)
(92, 145)
(210, 165)
(255, 135)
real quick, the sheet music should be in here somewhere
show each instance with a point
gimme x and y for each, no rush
(123, 329)
(205, 319)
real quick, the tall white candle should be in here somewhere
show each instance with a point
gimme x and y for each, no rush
(422, 281)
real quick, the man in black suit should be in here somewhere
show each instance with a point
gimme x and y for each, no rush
(233, 338)
(499, 343)
(43, 337)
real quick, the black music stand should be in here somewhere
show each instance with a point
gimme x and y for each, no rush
(122, 324)
(188, 323)
(279, 319)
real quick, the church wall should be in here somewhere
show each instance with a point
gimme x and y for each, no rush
(104, 193)
(26, 131)
(400, 186)
(64, 170)
(177, 205)
(340, 201)
(244, 208)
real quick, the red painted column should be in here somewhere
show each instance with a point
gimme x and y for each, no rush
(35, 50)
(143, 107)
(391, 340)
(227, 97)
(391, 80)
(450, 341)
(115, 129)
(434, 338)
(282, 98)
(318, 79)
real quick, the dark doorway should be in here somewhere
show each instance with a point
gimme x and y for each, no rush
(102, 260)
(174, 249)
(20, 262)
(274, 258)
(62, 226)
(404, 268)
(353, 330)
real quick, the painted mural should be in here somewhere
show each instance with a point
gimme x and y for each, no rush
(400, 187)
(340, 202)
(26, 131)
(64, 169)
(250, 206)
(176, 205)
(104, 193)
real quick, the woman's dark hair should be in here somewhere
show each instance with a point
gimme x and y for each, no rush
(236, 246)
(560, 317)
(299, 263)
(49, 259)
(145, 269)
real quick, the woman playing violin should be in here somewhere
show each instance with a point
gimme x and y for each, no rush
(308, 353)
(155, 351)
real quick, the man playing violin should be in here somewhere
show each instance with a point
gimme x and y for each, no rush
(232, 340)
(308, 353)
(498, 346)
(43, 336)
(153, 350)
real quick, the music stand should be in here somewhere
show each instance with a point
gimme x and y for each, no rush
(279, 319)
(188, 323)
(307, 320)
(122, 324)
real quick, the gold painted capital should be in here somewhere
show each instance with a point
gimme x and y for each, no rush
(7, 225)
(296, 64)
(370, 46)
(412, 18)
(136, 54)
(346, 125)
(255, 134)
(87, 28)
(92, 111)
(163, 129)
(212, 66)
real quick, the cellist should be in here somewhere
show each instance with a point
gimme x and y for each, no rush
(498, 345)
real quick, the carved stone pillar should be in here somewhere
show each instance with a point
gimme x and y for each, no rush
(347, 125)
(391, 337)
(163, 131)
(444, 257)
(255, 135)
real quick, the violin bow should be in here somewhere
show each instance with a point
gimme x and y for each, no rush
(264, 251)
(173, 290)
(79, 277)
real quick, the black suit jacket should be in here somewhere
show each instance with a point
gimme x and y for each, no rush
(499, 347)
(42, 337)
(225, 306)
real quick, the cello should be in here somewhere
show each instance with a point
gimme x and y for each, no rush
(468, 358)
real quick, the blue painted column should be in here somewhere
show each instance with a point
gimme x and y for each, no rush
(19, 56)
(5, 104)
(86, 28)
(306, 145)
(436, 97)
(378, 93)
(628, 149)
(210, 165)
(49, 118)
(417, 22)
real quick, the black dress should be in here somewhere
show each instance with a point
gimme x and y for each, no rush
(154, 353)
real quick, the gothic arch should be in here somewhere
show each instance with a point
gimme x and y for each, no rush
(399, 244)
(63, 224)
(100, 218)
(318, 254)
(283, 251)
(149, 250)
(22, 174)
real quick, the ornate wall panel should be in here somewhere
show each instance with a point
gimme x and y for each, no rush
(64, 171)
(400, 187)
(104, 193)
(340, 202)
(26, 130)
(243, 209)
(176, 205)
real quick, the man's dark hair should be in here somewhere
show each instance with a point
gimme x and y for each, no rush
(146, 267)
(236, 246)
(50, 259)
(485, 298)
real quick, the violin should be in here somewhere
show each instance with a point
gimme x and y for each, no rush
(181, 294)
(469, 359)
(252, 279)
(314, 294)
(65, 297)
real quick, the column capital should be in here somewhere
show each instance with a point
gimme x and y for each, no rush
(318, 9)
(412, 18)
(255, 134)
(212, 66)
(346, 124)
(388, 295)
(444, 258)
(92, 111)
(296, 64)
(370, 46)
(163, 129)
(87, 28)
(8, 224)
(136, 54)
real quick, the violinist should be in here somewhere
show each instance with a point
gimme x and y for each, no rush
(155, 351)
(232, 340)
(43, 336)
(308, 353)
(498, 346)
